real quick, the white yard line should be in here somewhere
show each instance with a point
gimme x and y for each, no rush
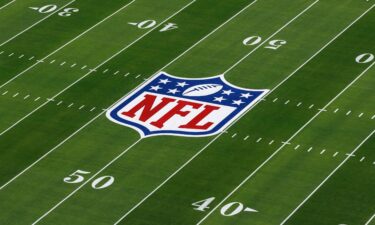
(328, 177)
(102, 113)
(125, 151)
(49, 15)
(277, 86)
(66, 44)
(95, 69)
(63, 142)
(270, 37)
(2, 7)
(370, 220)
(212, 141)
(87, 181)
(165, 181)
(45, 155)
(288, 141)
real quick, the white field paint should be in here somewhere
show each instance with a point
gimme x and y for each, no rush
(63, 46)
(49, 15)
(91, 71)
(2, 7)
(218, 136)
(327, 178)
(370, 220)
(282, 147)
(104, 111)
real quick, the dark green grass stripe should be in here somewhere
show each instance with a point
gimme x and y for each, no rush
(198, 20)
(5, 3)
(229, 160)
(51, 34)
(346, 198)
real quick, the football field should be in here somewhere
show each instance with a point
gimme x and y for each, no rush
(303, 153)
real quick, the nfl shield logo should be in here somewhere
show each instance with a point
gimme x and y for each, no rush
(169, 105)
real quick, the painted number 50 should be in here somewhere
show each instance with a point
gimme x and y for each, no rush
(99, 183)
(256, 40)
(365, 58)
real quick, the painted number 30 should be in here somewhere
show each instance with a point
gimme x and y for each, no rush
(52, 8)
(99, 183)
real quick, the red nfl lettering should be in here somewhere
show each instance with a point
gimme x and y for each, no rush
(193, 124)
(194, 107)
(148, 108)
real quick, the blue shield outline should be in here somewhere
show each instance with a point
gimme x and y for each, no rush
(112, 113)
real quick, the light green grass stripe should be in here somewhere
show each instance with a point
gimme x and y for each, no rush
(7, 4)
(35, 24)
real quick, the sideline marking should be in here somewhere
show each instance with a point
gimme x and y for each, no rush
(327, 178)
(290, 139)
(2, 7)
(66, 44)
(49, 15)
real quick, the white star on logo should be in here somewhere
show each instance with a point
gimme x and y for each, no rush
(219, 99)
(155, 88)
(228, 92)
(165, 81)
(181, 84)
(247, 95)
(173, 91)
(238, 102)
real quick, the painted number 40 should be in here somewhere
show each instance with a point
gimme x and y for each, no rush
(148, 24)
(230, 209)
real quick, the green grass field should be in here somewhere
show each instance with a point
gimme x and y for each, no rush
(304, 155)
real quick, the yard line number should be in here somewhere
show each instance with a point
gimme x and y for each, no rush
(148, 24)
(46, 9)
(228, 210)
(365, 58)
(256, 40)
(99, 183)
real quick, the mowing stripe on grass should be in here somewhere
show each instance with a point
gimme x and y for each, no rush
(370, 220)
(128, 149)
(125, 151)
(48, 16)
(140, 139)
(93, 70)
(218, 136)
(277, 86)
(269, 38)
(2, 7)
(328, 177)
(104, 111)
(196, 8)
(87, 181)
(283, 145)
(66, 44)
